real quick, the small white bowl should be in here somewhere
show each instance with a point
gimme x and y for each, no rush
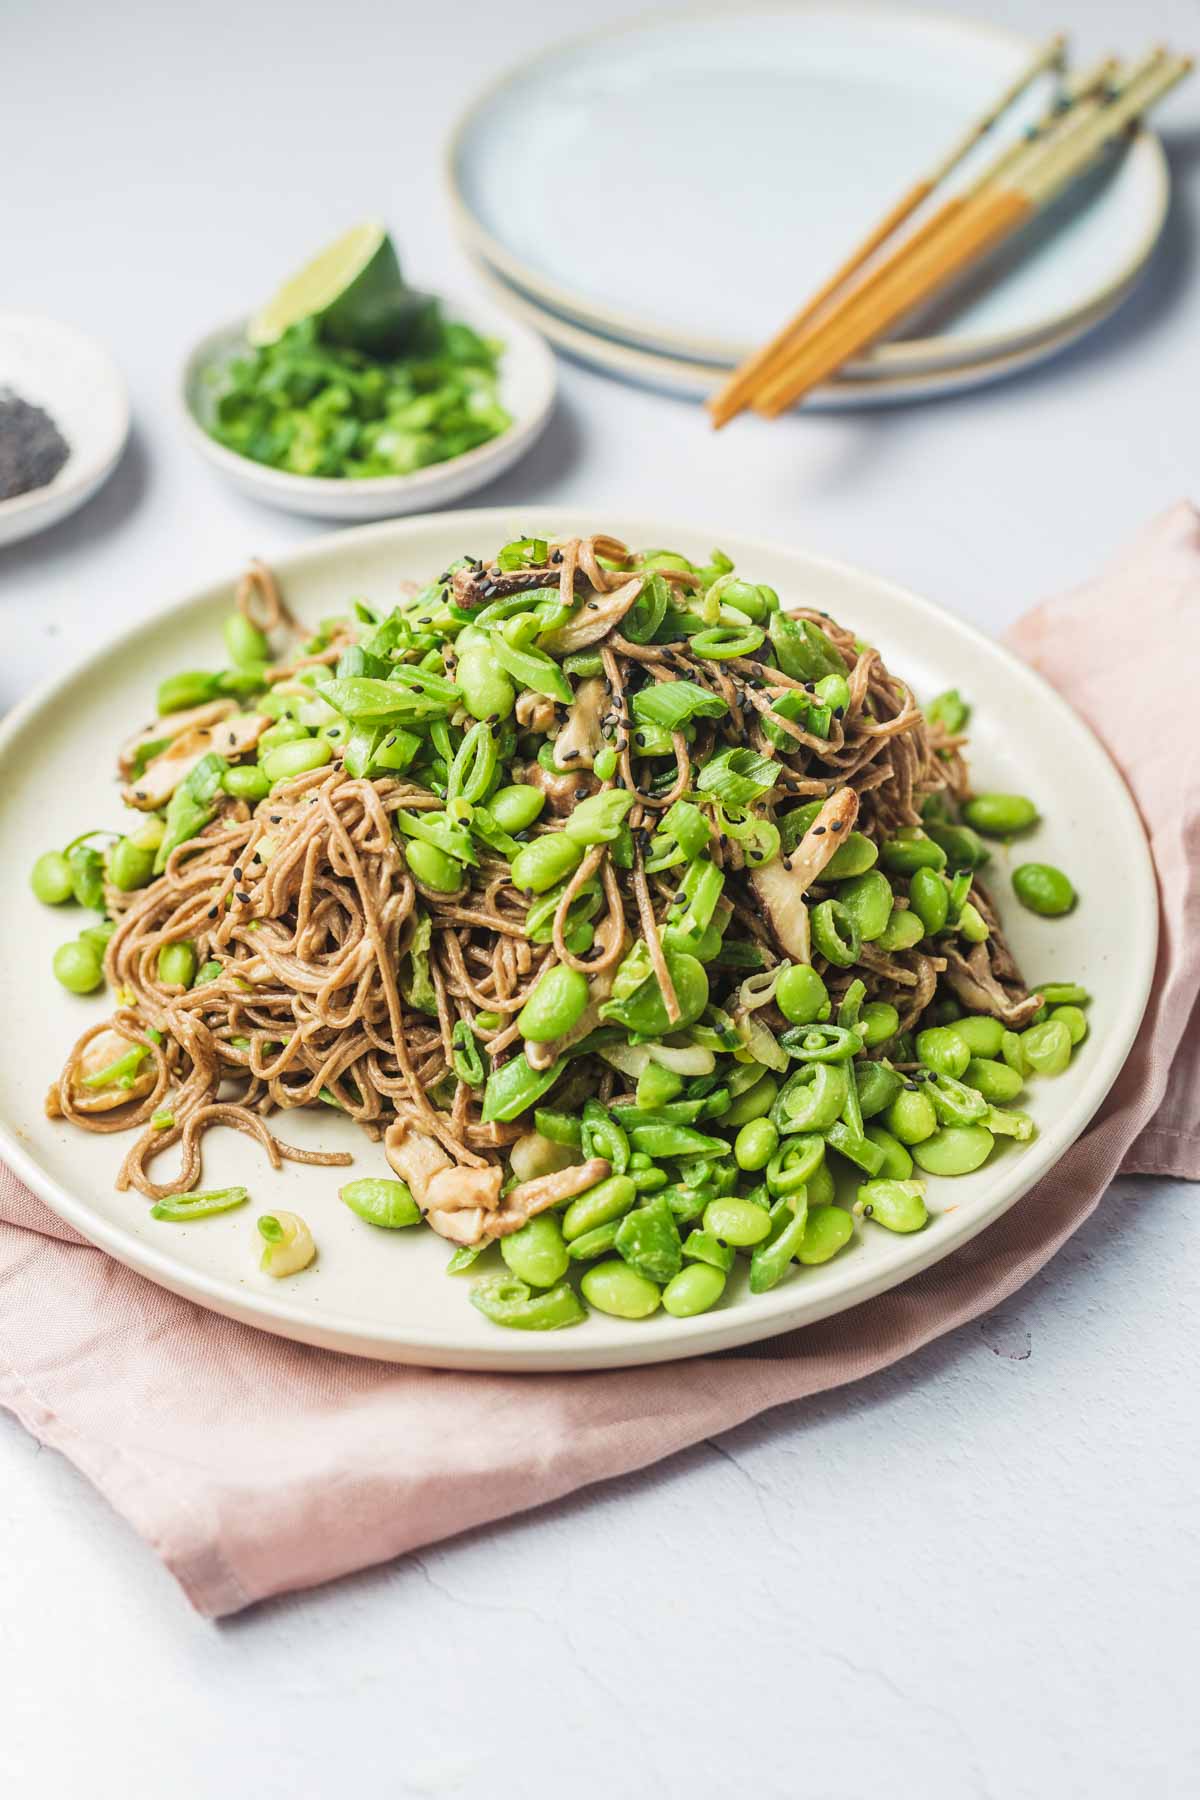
(56, 367)
(527, 382)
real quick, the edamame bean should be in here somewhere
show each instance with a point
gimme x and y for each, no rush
(755, 1103)
(827, 1230)
(536, 1253)
(607, 1200)
(50, 878)
(911, 1117)
(130, 864)
(964, 848)
(388, 1204)
(981, 1034)
(432, 867)
(290, 760)
(557, 1002)
(1073, 1019)
(877, 1022)
(955, 1150)
(736, 1221)
(897, 1163)
(972, 923)
(1000, 815)
(515, 808)
(755, 1144)
(545, 862)
(801, 995)
(693, 1290)
(177, 964)
(942, 1049)
(288, 731)
(1047, 1047)
(994, 1080)
(245, 642)
(485, 688)
(615, 1288)
(853, 857)
(247, 781)
(929, 898)
(78, 967)
(911, 850)
(1043, 889)
(900, 1205)
(1013, 1053)
(1063, 993)
(868, 900)
(902, 931)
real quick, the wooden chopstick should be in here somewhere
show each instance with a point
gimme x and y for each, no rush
(735, 394)
(1082, 87)
(1006, 169)
(1034, 180)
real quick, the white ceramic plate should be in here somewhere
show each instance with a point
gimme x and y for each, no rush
(684, 183)
(385, 1294)
(697, 380)
(527, 383)
(58, 368)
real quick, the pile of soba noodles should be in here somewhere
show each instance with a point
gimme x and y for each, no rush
(551, 837)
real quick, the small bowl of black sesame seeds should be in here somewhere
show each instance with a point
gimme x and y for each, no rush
(64, 421)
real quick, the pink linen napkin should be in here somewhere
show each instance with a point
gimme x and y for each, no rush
(253, 1465)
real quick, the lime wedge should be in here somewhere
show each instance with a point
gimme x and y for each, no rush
(353, 288)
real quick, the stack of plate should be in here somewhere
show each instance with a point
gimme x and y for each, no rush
(659, 199)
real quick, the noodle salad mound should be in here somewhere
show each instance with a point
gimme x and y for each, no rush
(636, 918)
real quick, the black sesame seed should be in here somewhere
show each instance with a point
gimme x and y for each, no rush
(237, 874)
(818, 831)
(244, 898)
(212, 912)
(838, 825)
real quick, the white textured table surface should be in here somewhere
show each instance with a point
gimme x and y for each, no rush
(971, 1576)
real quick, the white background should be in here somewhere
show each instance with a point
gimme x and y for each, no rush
(973, 1576)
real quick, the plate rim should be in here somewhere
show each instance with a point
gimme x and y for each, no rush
(667, 373)
(772, 1314)
(911, 356)
(285, 488)
(21, 514)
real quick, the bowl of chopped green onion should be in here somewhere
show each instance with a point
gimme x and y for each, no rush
(337, 432)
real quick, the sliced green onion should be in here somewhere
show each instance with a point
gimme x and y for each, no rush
(672, 704)
(181, 1207)
(738, 776)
